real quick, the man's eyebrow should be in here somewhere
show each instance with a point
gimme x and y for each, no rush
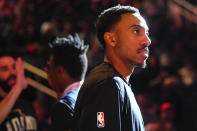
(139, 26)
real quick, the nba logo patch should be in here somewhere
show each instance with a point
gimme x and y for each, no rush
(100, 120)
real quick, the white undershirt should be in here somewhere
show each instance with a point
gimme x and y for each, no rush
(73, 86)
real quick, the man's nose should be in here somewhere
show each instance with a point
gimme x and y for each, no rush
(13, 70)
(147, 40)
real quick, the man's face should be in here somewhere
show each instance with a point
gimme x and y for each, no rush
(132, 39)
(7, 72)
(52, 74)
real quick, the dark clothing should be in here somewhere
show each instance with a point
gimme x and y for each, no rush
(106, 102)
(21, 118)
(62, 112)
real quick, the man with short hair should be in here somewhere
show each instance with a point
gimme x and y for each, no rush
(15, 113)
(66, 70)
(106, 101)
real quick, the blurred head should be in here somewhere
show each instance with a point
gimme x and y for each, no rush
(124, 33)
(167, 112)
(155, 126)
(67, 61)
(7, 72)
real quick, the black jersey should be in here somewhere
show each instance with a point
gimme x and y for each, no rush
(21, 118)
(106, 102)
(62, 112)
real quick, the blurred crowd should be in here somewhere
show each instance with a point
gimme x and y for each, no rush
(166, 90)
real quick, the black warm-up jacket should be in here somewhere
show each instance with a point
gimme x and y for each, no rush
(105, 94)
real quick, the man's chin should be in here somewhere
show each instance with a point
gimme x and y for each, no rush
(6, 87)
(142, 65)
(11, 84)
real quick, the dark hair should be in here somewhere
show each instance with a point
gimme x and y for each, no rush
(7, 53)
(109, 17)
(70, 52)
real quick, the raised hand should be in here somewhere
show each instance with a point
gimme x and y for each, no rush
(21, 81)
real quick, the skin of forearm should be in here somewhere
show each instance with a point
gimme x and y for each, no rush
(8, 102)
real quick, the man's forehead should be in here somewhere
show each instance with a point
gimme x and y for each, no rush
(5, 60)
(135, 19)
(142, 21)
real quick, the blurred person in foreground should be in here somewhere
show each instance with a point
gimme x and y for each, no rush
(166, 119)
(15, 113)
(66, 71)
(106, 101)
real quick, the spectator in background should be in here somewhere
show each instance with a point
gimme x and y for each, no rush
(154, 126)
(166, 121)
(42, 104)
(167, 115)
(148, 108)
(66, 70)
(15, 113)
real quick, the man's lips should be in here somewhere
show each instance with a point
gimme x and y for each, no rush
(144, 52)
(12, 80)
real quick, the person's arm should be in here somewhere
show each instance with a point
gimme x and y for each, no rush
(102, 110)
(21, 83)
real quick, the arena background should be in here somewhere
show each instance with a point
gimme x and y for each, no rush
(166, 90)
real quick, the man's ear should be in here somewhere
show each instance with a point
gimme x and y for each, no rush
(62, 72)
(110, 38)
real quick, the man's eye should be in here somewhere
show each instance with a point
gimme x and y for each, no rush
(136, 31)
(4, 68)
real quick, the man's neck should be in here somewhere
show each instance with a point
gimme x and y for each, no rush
(73, 87)
(66, 83)
(122, 68)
